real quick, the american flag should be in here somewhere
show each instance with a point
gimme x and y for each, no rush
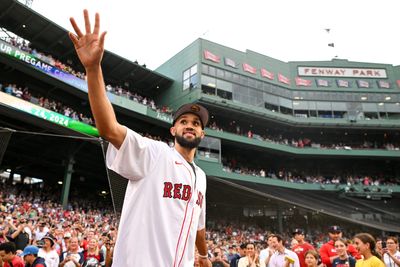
(363, 84)
(383, 84)
(249, 68)
(210, 56)
(283, 79)
(322, 83)
(229, 62)
(267, 74)
(342, 83)
(302, 82)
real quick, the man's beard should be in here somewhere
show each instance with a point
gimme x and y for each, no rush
(187, 143)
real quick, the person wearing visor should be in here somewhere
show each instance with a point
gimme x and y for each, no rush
(327, 251)
(163, 215)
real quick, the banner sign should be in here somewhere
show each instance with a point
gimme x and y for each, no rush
(210, 56)
(47, 115)
(283, 79)
(322, 83)
(7, 49)
(362, 84)
(267, 74)
(230, 62)
(383, 84)
(342, 72)
(249, 68)
(302, 82)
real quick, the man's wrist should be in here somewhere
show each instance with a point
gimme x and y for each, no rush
(203, 256)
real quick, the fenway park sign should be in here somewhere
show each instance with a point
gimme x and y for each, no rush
(342, 72)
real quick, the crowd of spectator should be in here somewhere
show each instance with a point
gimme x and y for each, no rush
(46, 103)
(30, 216)
(119, 90)
(233, 166)
(300, 142)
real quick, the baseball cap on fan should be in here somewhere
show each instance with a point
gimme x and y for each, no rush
(335, 229)
(298, 231)
(195, 109)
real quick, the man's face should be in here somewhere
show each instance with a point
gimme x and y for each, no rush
(335, 235)
(6, 257)
(188, 131)
(275, 244)
(269, 241)
(299, 237)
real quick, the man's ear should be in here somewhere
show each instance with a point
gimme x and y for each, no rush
(172, 130)
(202, 134)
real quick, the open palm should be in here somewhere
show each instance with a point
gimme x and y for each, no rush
(88, 46)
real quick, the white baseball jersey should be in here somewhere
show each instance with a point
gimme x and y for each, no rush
(164, 204)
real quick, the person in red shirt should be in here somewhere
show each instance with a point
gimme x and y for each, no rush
(327, 251)
(8, 255)
(302, 246)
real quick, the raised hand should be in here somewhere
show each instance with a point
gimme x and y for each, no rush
(88, 46)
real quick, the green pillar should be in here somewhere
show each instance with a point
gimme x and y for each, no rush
(280, 219)
(69, 169)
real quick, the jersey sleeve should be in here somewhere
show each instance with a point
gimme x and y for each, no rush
(135, 158)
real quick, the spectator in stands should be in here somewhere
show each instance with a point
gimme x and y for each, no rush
(241, 253)
(18, 234)
(328, 251)
(40, 231)
(365, 245)
(30, 255)
(391, 254)
(8, 256)
(265, 254)
(219, 259)
(93, 256)
(311, 258)
(344, 259)
(48, 252)
(251, 259)
(282, 257)
(302, 246)
(73, 256)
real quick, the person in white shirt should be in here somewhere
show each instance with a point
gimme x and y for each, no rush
(266, 253)
(251, 259)
(163, 216)
(391, 254)
(282, 257)
(41, 231)
(48, 252)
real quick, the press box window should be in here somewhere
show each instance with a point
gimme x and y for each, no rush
(190, 78)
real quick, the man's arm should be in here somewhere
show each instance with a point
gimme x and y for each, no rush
(201, 245)
(90, 50)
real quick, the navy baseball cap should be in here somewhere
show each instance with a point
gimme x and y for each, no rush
(298, 231)
(335, 229)
(195, 109)
(30, 250)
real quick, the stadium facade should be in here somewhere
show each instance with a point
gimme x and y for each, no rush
(289, 143)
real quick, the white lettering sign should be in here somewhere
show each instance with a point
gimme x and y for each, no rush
(342, 72)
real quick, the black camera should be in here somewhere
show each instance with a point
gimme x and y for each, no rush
(216, 254)
(383, 244)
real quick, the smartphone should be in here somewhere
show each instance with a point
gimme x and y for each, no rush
(383, 244)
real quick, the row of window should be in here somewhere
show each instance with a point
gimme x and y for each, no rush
(226, 80)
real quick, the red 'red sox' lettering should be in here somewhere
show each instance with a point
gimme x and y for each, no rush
(177, 191)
